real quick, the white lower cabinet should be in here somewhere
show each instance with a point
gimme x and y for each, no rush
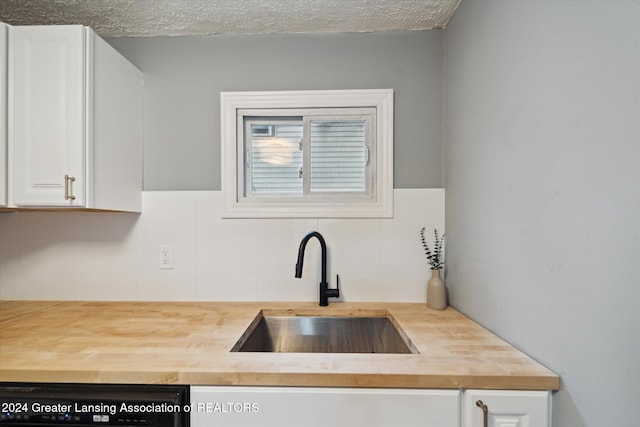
(316, 406)
(353, 407)
(506, 408)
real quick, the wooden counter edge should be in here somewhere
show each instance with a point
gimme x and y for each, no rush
(270, 379)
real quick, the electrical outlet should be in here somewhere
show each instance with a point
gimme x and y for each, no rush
(165, 257)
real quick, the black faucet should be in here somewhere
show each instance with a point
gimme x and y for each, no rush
(325, 292)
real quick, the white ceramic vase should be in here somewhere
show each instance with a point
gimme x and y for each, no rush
(436, 292)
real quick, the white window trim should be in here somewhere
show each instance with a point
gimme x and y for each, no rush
(380, 207)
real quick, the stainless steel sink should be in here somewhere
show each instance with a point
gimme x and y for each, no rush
(324, 334)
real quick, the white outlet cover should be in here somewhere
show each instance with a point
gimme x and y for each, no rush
(165, 257)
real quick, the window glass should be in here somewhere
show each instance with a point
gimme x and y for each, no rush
(274, 158)
(338, 155)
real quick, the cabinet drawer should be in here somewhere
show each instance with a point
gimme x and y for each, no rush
(315, 407)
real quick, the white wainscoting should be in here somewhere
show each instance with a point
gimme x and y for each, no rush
(111, 256)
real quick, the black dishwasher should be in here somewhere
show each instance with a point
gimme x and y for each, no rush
(55, 404)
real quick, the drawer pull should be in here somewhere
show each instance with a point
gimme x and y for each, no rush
(68, 189)
(485, 412)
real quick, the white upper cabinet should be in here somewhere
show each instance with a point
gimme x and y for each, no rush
(75, 121)
(48, 124)
(3, 114)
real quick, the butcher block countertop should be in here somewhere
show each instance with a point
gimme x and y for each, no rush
(189, 343)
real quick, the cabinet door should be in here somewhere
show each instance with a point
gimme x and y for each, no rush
(3, 114)
(47, 115)
(315, 407)
(507, 408)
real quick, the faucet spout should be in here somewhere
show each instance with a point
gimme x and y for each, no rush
(325, 292)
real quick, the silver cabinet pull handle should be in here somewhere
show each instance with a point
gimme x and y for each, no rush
(485, 412)
(68, 190)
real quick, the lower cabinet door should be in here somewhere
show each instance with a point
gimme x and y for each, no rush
(315, 407)
(506, 408)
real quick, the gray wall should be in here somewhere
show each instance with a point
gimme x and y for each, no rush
(185, 75)
(542, 176)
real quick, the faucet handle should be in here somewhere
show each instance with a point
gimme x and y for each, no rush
(335, 293)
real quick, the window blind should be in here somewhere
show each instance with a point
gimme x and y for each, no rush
(276, 158)
(299, 155)
(338, 155)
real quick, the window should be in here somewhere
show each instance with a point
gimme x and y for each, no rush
(307, 153)
(321, 153)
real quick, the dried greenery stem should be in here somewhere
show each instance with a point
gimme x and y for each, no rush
(435, 257)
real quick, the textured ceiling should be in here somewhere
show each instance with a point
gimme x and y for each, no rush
(144, 18)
